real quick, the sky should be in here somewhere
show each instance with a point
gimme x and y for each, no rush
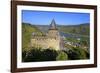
(61, 18)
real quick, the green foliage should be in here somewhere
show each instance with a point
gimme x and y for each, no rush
(85, 41)
(35, 55)
(77, 53)
(62, 56)
(23, 55)
(49, 55)
(81, 53)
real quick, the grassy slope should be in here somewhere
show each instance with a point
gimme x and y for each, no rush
(27, 30)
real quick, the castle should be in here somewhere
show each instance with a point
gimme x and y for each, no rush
(51, 40)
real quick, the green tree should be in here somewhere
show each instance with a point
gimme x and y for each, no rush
(81, 53)
(36, 55)
(62, 56)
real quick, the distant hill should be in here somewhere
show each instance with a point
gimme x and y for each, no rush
(82, 29)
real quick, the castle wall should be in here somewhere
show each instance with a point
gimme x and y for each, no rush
(54, 43)
(39, 43)
(44, 43)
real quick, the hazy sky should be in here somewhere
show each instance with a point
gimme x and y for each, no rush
(62, 18)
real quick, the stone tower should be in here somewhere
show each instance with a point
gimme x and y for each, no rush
(51, 40)
(53, 31)
(54, 36)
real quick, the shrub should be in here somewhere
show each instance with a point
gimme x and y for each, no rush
(77, 53)
(35, 55)
(49, 55)
(62, 56)
(81, 53)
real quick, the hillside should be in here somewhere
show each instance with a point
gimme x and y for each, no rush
(27, 30)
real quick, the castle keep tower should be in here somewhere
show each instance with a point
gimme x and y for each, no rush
(52, 40)
(53, 31)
